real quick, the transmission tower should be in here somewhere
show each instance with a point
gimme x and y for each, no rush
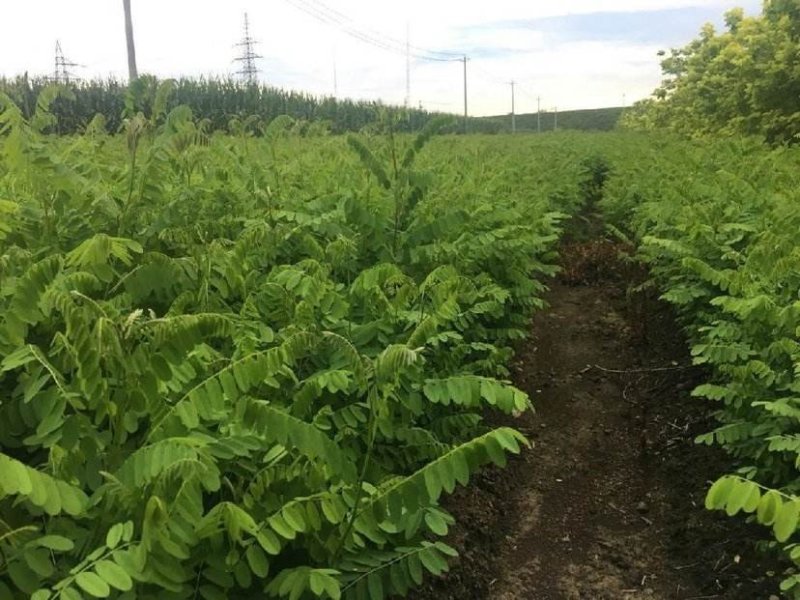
(249, 72)
(62, 73)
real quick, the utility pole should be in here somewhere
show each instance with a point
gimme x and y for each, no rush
(335, 79)
(249, 71)
(513, 114)
(555, 121)
(133, 74)
(62, 73)
(408, 67)
(465, 92)
(538, 114)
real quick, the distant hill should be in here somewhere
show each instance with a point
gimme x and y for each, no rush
(598, 119)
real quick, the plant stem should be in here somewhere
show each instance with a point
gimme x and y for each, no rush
(373, 427)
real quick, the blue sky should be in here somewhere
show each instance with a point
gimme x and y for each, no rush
(570, 53)
(668, 27)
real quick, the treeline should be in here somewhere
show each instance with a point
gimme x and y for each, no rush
(745, 80)
(594, 119)
(225, 103)
(218, 102)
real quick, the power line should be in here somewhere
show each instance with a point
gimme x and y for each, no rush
(489, 76)
(321, 16)
(329, 16)
(375, 33)
(343, 19)
(536, 98)
(515, 87)
(249, 72)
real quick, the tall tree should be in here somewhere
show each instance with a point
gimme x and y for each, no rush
(742, 80)
(132, 72)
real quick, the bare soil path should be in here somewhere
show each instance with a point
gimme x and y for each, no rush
(608, 503)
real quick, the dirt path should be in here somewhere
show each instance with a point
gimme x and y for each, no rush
(590, 528)
(608, 504)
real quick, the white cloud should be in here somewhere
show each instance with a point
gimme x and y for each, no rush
(194, 37)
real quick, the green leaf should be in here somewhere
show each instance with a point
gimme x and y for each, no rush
(281, 527)
(114, 575)
(375, 586)
(445, 549)
(789, 583)
(15, 477)
(294, 518)
(210, 592)
(127, 531)
(753, 498)
(424, 487)
(41, 489)
(277, 426)
(70, 593)
(332, 587)
(436, 523)
(114, 535)
(161, 367)
(242, 574)
(55, 542)
(717, 496)
(298, 587)
(786, 520)
(415, 569)
(39, 561)
(257, 561)
(737, 497)
(269, 541)
(317, 583)
(768, 507)
(92, 584)
(23, 577)
(432, 561)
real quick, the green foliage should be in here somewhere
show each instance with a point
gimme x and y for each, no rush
(593, 119)
(717, 223)
(241, 366)
(744, 80)
(771, 508)
(226, 105)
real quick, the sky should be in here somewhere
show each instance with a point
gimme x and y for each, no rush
(570, 54)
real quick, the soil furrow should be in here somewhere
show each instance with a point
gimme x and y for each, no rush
(608, 502)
